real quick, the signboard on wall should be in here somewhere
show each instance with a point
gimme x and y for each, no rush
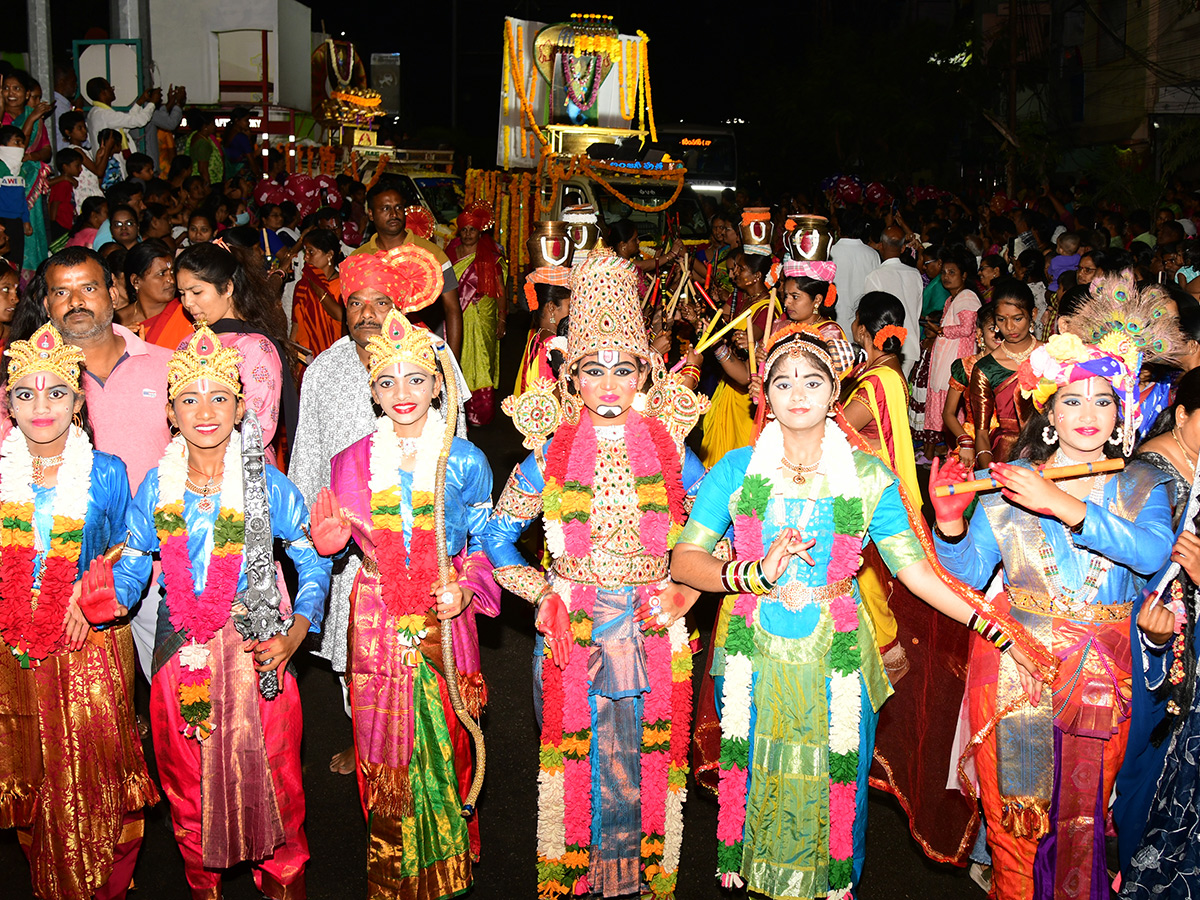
(385, 78)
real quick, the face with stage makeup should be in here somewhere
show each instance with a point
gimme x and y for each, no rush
(799, 390)
(42, 405)
(1084, 413)
(607, 383)
(405, 392)
(205, 412)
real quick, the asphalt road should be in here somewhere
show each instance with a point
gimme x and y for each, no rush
(895, 866)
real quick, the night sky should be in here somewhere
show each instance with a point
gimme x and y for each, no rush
(823, 85)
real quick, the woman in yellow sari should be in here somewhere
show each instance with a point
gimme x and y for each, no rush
(480, 267)
(729, 422)
(877, 407)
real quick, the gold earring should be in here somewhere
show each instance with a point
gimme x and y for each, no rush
(77, 421)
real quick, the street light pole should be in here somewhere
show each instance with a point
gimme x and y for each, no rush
(40, 66)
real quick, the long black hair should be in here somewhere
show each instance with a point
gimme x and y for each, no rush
(254, 299)
(877, 310)
(1187, 396)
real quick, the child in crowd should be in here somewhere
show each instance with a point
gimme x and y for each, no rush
(141, 167)
(1066, 260)
(14, 211)
(73, 127)
(62, 192)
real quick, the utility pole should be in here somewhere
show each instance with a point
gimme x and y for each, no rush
(454, 64)
(1011, 168)
(40, 66)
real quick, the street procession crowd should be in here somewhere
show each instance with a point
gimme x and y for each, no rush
(239, 407)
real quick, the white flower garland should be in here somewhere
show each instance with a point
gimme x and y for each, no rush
(845, 710)
(673, 828)
(387, 453)
(552, 827)
(173, 474)
(70, 498)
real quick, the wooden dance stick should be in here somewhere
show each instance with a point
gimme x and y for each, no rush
(704, 294)
(750, 345)
(1051, 474)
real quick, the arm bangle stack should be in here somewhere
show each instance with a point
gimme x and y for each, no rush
(990, 631)
(690, 372)
(722, 353)
(965, 440)
(742, 577)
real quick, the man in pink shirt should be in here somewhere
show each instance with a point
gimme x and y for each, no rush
(125, 382)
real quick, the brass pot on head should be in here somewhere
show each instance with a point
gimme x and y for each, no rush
(582, 227)
(809, 240)
(550, 245)
(757, 230)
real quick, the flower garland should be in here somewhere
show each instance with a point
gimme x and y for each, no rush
(584, 102)
(33, 609)
(565, 773)
(571, 471)
(516, 54)
(630, 81)
(647, 96)
(200, 617)
(845, 680)
(407, 578)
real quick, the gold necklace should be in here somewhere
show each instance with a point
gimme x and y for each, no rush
(212, 486)
(1187, 457)
(1019, 357)
(41, 464)
(800, 473)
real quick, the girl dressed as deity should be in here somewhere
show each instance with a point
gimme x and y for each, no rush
(1073, 555)
(228, 758)
(798, 675)
(612, 676)
(413, 753)
(72, 777)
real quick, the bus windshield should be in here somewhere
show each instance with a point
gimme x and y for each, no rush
(443, 196)
(651, 225)
(710, 155)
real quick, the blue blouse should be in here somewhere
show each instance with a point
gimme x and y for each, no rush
(884, 516)
(289, 516)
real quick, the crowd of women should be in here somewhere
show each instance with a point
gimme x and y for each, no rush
(141, 515)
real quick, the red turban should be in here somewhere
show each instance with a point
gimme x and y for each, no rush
(410, 276)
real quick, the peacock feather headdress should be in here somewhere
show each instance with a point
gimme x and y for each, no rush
(1118, 331)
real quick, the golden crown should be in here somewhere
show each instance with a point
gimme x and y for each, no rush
(204, 357)
(400, 341)
(45, 351)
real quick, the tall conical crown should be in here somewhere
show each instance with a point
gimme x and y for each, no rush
(606, 312)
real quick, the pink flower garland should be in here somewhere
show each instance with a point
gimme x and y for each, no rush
(203, 616)
(643, 462)
(581, 469)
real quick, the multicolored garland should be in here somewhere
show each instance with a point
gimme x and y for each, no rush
(571, 472)
(200, 617)
(565, 773)
(407, 579)
(845, 682)
(33, 609)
